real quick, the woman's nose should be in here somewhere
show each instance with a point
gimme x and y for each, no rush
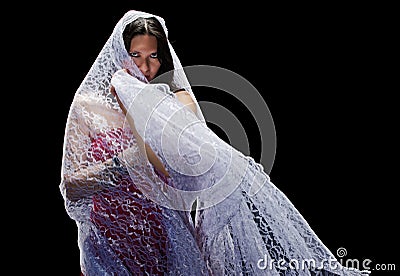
(144, 67)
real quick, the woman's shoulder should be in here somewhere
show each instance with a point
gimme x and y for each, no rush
(94, 104)
(99, 109)
(86, 100)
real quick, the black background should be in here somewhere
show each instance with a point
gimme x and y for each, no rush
(323, 72)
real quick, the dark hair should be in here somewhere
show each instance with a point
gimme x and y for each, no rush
(150, 26)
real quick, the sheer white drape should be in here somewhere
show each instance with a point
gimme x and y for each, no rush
(242, 216)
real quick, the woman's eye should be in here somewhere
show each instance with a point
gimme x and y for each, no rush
(154, 55)
(133, 54)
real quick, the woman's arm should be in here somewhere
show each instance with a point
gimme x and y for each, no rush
(87, 180)
(182, 96)
(185, 98)
(81, 175)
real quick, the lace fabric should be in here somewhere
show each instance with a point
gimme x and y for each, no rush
(133, 221)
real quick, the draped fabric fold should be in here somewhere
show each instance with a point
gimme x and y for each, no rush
(242, 215)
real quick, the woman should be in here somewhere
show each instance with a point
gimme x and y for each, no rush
(121, 231)
(138, 158)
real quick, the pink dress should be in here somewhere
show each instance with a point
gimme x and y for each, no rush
(132, 224)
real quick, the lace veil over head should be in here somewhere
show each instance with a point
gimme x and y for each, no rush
(94, 102)
(242, 218)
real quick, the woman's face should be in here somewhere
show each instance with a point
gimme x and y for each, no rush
(143, 51)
